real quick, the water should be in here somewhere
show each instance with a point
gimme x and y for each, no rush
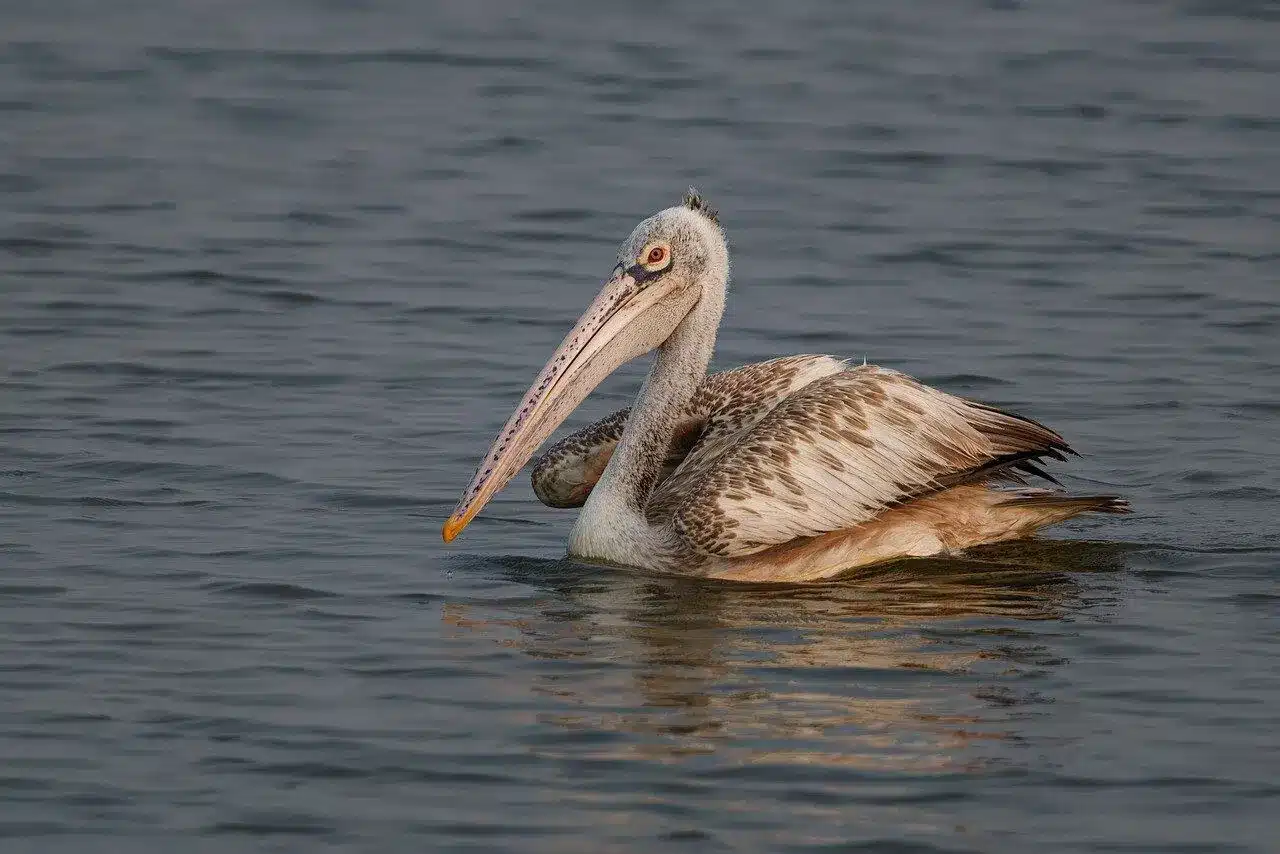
(274, 272)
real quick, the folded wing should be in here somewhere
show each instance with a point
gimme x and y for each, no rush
(837, 453)
(725, 403)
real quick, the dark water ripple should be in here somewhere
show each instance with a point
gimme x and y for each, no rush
(272, 272)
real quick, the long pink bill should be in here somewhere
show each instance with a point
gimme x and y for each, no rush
(604, 338)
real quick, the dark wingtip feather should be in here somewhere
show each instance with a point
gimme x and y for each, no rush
(1032, 468)
(1053, 443)
(1008, 467)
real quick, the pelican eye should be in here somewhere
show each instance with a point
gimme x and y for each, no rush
(656, 257)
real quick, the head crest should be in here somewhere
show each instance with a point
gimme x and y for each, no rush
(694, 201)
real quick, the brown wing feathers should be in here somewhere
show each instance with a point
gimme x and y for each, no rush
(846, 448)
(801, 446)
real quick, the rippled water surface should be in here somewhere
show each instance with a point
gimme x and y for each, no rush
(272, 273)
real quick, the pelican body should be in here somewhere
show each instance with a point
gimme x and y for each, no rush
(794, 469)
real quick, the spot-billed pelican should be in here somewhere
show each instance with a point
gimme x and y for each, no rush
(789, 470)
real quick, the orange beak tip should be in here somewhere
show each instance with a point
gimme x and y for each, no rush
(452, 528)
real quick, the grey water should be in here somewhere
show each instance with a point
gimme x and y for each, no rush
(272, 274)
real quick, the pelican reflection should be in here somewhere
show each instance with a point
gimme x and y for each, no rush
(923, 666)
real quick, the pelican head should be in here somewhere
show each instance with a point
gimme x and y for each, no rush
(670, 261)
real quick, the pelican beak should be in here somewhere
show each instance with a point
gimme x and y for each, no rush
(627, 319)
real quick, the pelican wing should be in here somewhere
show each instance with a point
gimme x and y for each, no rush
(837, 453)
(565, 475)
(725, 403)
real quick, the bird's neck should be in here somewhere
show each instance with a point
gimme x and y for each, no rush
(615, 509)
(678, 370)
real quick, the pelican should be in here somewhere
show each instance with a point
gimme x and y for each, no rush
(795, 469)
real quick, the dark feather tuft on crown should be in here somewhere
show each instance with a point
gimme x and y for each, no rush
(694, 201)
